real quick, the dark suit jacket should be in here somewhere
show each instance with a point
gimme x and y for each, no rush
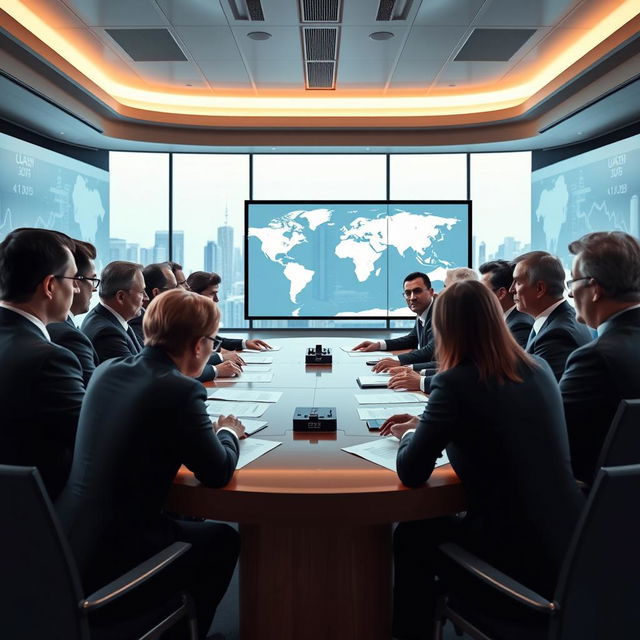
(41, 392)
(230, 344)
(136, 325)
(141, 419)
(67, 335)
(597, 377)
(423, 354)
(108, 337)
(520, 324)
(508, 444)
(560, 334)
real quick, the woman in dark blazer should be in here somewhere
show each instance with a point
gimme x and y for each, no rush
(498, 412)
(142, 417)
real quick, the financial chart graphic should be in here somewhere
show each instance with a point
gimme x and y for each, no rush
(347, 259)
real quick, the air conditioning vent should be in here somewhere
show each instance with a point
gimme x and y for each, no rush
(148, 45)
(320, 43)
(255, 10)
(246, 10)
(393, 10)
(385, 9)
(320, 10)
(320, 75)
(493, 45)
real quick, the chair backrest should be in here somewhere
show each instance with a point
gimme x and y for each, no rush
(622, 444)
(40, 584)
(599, 586)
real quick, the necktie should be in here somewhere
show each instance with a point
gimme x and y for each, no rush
(420, 332)
(134, 339)
(532, 337)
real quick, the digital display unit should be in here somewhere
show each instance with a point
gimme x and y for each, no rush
(347, 259)
(593, 191)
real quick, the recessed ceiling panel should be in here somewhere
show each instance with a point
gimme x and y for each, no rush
(118, 13)
(493, 45)
(532, 13)
(148, 45)
(187, 13)
(209, 43)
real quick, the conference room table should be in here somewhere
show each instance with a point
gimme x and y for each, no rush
(315, 522)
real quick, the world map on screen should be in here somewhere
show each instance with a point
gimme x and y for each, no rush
(347, 260)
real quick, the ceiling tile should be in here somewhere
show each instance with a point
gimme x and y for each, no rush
(226, 74)
(178, 73)
(198, 13)
(272, 74)
(416, 74)
(284, 42)
(356, 43)
(361, 74)
(118, 13)
(433, 43)
(447, 12)
(208, 43)
(532, 13)
(471, 74)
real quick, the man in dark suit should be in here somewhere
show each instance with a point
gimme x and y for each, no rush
(122, 294)
(498, 276)
(605, 286)
(143, 417)
(537, 289)
(66, 334)
(419, 296)
(41, 386)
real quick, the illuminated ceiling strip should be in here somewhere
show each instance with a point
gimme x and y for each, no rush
(322, 106)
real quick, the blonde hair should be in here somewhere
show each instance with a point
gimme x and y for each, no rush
(469, 325)
(177, 318)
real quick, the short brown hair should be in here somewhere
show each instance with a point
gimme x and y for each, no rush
(117, 276)
(177, 318)
(469, 325)
(612, 259)
(198, 281)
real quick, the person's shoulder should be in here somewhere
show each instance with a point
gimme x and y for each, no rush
(460, 375)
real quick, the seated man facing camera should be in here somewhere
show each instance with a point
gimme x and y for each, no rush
(142, 417)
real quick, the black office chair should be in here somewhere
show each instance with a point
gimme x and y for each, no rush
(598, 591)
(622, 444)
(41, 592)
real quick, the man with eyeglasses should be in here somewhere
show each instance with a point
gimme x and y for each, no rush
(66, 334)
(122, 294)
(157, 278)
(537, 289)
(605, 286)
(419, 295)
(41, 388)
(181, 279)
(498, 276)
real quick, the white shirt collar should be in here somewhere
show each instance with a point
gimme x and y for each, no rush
(601, 327)
(508, 311)
(541, 318)
(28, 316)
(120, 319)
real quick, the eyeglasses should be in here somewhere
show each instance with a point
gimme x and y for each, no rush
(413, 292)
(569, 283)
(212, 340)
(184, 284)
(94, 282)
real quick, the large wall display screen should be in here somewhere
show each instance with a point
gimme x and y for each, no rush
(347, 259)
(44, 189)
(594, 191)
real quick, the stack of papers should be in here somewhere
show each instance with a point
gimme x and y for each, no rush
(277, 348)
(377, 380)
(217, 408)
(389, 397)
(245, 396)
(251, 376)
(250, 358)
(252, 448)
(367, 354)
(383, 451)
(382, 413)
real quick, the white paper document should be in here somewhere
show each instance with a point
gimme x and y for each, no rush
(251, 359)
(256, 368)
(252, 448)
(368, 354)
(250, 376)
(382, 413)
(389, 397)
(276, 348)
(253, 426)
(238, 409)
(383, 451)
(246, 396)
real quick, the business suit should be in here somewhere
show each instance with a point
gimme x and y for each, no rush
(41, 392)
(67, 335)
(136, 325)
(230, 344)
(140, 421)
(420, 339)
(599, 375)
(559, 336)
(521, 513)
(108, 337)
(520, 324)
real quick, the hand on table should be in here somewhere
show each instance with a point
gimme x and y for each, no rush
(367, 345)
(230, 422)
(385, 364)
(232, 356)
(405, 379)
(397, 425)
(258, 345)
(228, 369)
